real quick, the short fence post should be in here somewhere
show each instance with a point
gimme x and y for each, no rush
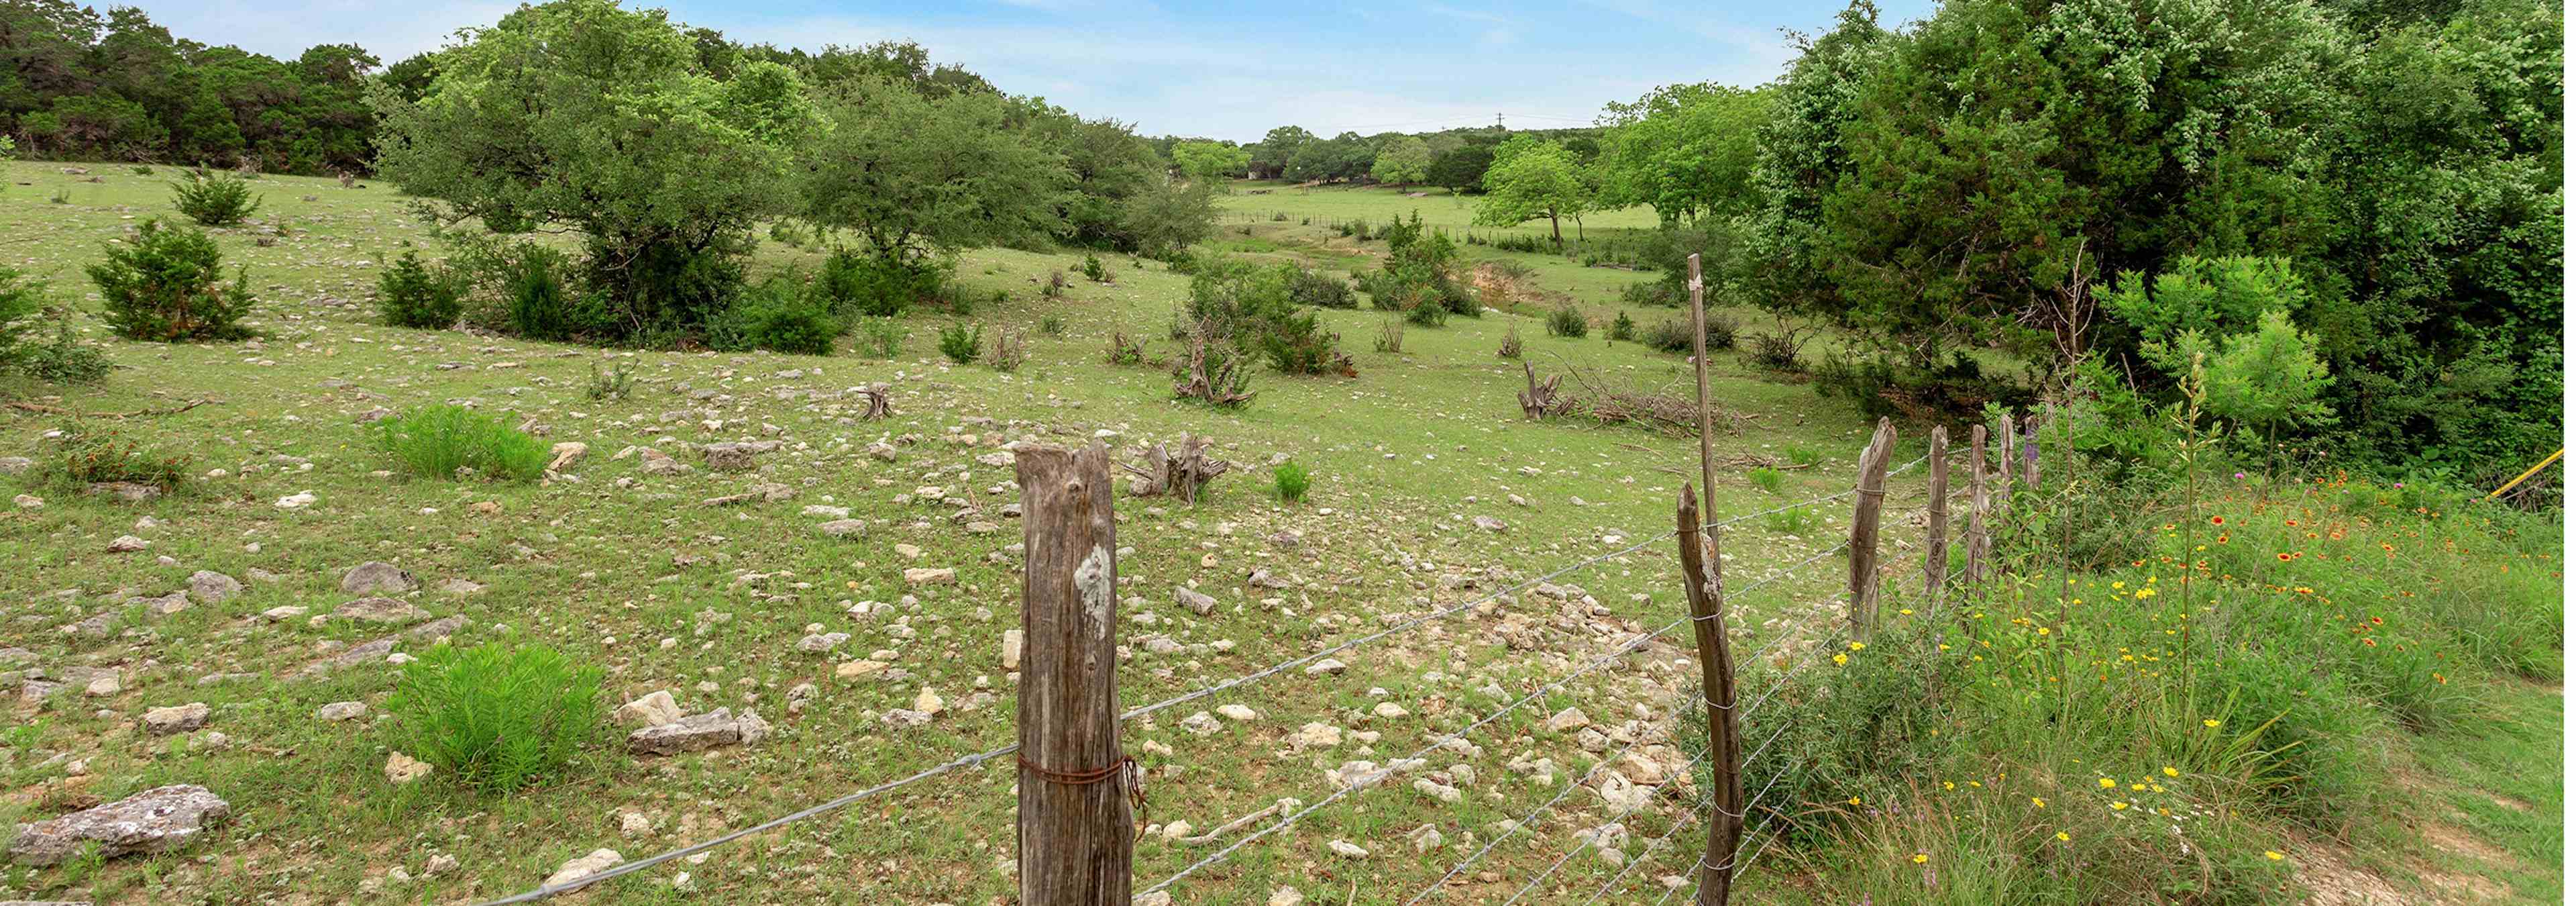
(1076, 835)
(1936, 546)
(1978, 543)
(2005, 458)
(1869, 495)
(2030, 455)
(1704, 587)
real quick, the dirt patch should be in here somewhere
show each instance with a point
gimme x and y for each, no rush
(2508, 802)
(2320, 866)
(2464, 843)
(2460, 888)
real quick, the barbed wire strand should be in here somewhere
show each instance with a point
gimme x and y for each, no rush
(1523, 823)
(978, 758)
(1588, 843)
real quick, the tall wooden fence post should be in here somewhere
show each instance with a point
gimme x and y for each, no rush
(1704, 586)
(1936, 545)
(1870, 495)
(1699, 363)
(1978, 542)
(1076, 834)
(2030, 455)
(2006, 461)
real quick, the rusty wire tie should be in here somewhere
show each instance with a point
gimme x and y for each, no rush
(1125, 765)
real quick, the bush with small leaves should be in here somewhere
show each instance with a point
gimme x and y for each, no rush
(1390, 334)
(412, 294)
(1124, 351)
(1624, 329)
(1291, 480)
(961, 344)
(541, 305)
(1776, 352)
(167, 285)
(1010, 349)
(1568, 321)
(854, 284)
(778, 316)
(100, 455)
(1320, 290)
(497, 717)
(1051, 325)
(881, 337)
(1511, 348)
(1092, 268)
(612, 384)
(213, 199)
(1791, 521)
(438, 441)
(1054, 286)
(142, 169)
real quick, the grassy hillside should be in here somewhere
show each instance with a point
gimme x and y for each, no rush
(641, 575)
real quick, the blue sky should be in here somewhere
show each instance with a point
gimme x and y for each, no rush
(1229, 70)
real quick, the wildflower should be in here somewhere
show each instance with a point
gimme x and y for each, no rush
(1855, 800)
(1920, 858)
(2170, 772)
(2210, 722)
(2273, 855)
(2366, 640)
(2119, 806)
(2062, 837)
(2137, 787)
(2108, 783)
(1905, 611)
(1856, 646)
(2218, 520)
(1841, 659)
(2036, 802)
(2284, 556)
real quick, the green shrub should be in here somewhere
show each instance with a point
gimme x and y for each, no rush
(1511, 348)
(141, 169)
(1297, 344)
(866, 285)
(62, 360)
(612, 384)
(541, 305)
(1653, 293)
(496, 717)
(1674, 336)
(1124, 351)
(960, 344)
(1092, 268)
(1624, 329)
(1054, 286)
(213, 199)
(1776, 352)
(1567, 321)
(881, 336)
(92, 455)
(167, 285)
(1390, 335)
(1307, 287)
(776, 315)
(60, 196)
(436, 441)
(1291, 480)
(412, 294)
(1766, 478)
(1803, 456)
(1010, 350)
(1051, 325)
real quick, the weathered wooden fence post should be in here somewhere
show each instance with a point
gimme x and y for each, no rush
(2030, 455)
(1076, 839)
(1868, 498)
(2006, 459)
(1699, 363)
(1977, 541)
(1936, 545)
(1704, 587)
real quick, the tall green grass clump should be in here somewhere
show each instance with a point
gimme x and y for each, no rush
(1291, 481)
(1766, 478)
(437, 441)
(962, 343)
(496, 717)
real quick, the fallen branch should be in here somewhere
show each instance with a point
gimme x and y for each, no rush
(43, 409)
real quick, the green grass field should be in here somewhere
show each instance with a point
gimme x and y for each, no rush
(632, 572)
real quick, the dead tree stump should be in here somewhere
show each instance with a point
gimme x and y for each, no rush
(1540, 397)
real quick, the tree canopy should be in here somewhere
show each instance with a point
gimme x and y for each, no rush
(1534, 178)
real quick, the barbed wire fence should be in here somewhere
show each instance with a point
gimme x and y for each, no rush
(1353, 786)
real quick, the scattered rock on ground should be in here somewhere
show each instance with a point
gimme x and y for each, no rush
(391, 611)
(377, 577)
(652, 710)
(176, 718)
(153, 821)
(401, 768)
(575, 870)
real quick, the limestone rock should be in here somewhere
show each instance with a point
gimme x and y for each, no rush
(391, 611)
(652, 710)
(574, 871)
(153, 821)
(696, 732)
(377, 577)
(212, 587)
(401, 768)
(176, 718)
